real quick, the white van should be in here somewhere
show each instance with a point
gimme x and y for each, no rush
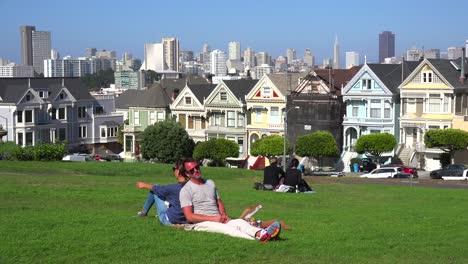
(464, 176)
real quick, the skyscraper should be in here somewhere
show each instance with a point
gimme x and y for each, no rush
(218, 63)
(249, 58)
(336, 54)
(234, 50)
(291, 55)
(352, 59)
(386, 45)
(309, 58)
(26, 45)
(171, 53)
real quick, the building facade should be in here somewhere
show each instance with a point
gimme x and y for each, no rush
(386, 45)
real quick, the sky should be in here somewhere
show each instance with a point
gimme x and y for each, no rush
(263, 25)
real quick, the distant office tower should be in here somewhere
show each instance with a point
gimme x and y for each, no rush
(206, 57)
(69, 67)
(110, 54)
(352, 59)
(309, 58)
(54, 55)
(386, 45)
(206, 48)
(26, 45)
(281, 64)
(262, 58)
(290, 54)
(90, 52)
(234, 50)
(454, 53)
(171, 53)
(261, 70)
(249, 58)
(432, 54)
(185, 55)
(41, 49)
(336, 54)
(218, 63)
(414, 54)
(326, 63)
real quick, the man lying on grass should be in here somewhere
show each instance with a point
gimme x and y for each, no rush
(202, 206)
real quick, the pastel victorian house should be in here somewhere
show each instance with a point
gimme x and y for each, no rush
(51, 110)
(372, 104)
(188, 109)
(226, 112)
(266, 103)
(433, 97)
(318, 96)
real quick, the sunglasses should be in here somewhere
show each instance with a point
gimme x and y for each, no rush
(194, 168)
(174, 168)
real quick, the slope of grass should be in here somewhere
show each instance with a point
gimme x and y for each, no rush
(74, 212)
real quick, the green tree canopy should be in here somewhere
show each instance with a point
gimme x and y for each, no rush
(448, 140)
(375, 144)
(100, 79)
(269, 146)
(316, 145)
(216, 149)
(166, 141)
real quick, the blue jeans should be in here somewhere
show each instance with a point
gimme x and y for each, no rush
(160, 207)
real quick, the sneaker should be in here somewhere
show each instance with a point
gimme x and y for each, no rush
(142, 214)
(271, 232)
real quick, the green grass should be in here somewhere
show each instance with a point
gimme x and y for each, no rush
(76, 213)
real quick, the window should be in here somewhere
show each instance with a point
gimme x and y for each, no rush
(61, 113)
(28, 116)
(240, 142)
(136, 117)
(366, 84)
(374, 131)
(426, 77)
(61, 96)
(160, 116)
(216, 119)
(223, 96)
(433, 127)
(82, 132)
(152, 118)
(446, 102)
(188, 100)
(240, 120)
(355, 110)
(434, 102)
(28, 97)
(274, 115)
(20, 138)
(190, 122)
(43, 94)
(81, 111)
(411, 105)
(19, 116)
(231, 119)
(182, 120)
(258, 115)
(387, 110)
(99, 110)
(103, 132)
(375, 109)
(53, 113)
(266, 92)
(61, 134)
(112, 131)
(128, 143)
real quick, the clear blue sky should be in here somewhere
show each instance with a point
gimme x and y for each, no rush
(264, 25)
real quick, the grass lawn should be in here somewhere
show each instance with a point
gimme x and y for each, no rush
(84, 213)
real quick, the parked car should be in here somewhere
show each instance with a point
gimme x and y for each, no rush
(449, 170)
(388, 172)
(76, 157)
(464, 176)
(112, 157)
(367, 165)
(406, 169)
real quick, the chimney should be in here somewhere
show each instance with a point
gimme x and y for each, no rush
(462, 72)
(175, 93)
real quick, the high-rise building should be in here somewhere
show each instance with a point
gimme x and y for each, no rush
(91, 52)
(432, 54)
(206, 57)
(218, 63)
(454, 53)
(69, 67)
(290, 54)
(55, 55)
(414, 54)
(41, 49)
(249, 58)
(234, 50)
(386, 45)
(309, 58)
(262, 58)
(171, 53)
(26, 45)
(185, 55)
(336, 54)
(352, 59)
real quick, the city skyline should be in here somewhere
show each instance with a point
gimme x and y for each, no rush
(298, 25)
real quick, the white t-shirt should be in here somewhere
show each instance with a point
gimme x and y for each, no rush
(203, 197)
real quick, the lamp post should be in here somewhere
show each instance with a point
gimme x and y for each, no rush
(285, 132)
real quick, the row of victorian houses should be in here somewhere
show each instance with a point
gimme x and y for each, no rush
(404, 99)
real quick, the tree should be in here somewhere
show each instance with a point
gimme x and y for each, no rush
(151, 76)
(317, 145)
(375, 144)
(216, 149)
(269, 146)
(166, 141)
(448, 140)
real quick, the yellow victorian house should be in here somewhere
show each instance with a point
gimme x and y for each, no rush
(431, 98)
(266, 103)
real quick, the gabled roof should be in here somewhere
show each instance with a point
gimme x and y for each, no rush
(155, 96)
(337, 77)
(240, 88)
(201, 91)
(286, 82)
(392, 75)
(449, 72)
(12, 89)
(178, 84)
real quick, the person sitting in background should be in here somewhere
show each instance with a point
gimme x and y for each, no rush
(271, 173)
(293, 175)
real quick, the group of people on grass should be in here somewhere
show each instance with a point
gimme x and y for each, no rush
(274, 178)
(194, 203)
